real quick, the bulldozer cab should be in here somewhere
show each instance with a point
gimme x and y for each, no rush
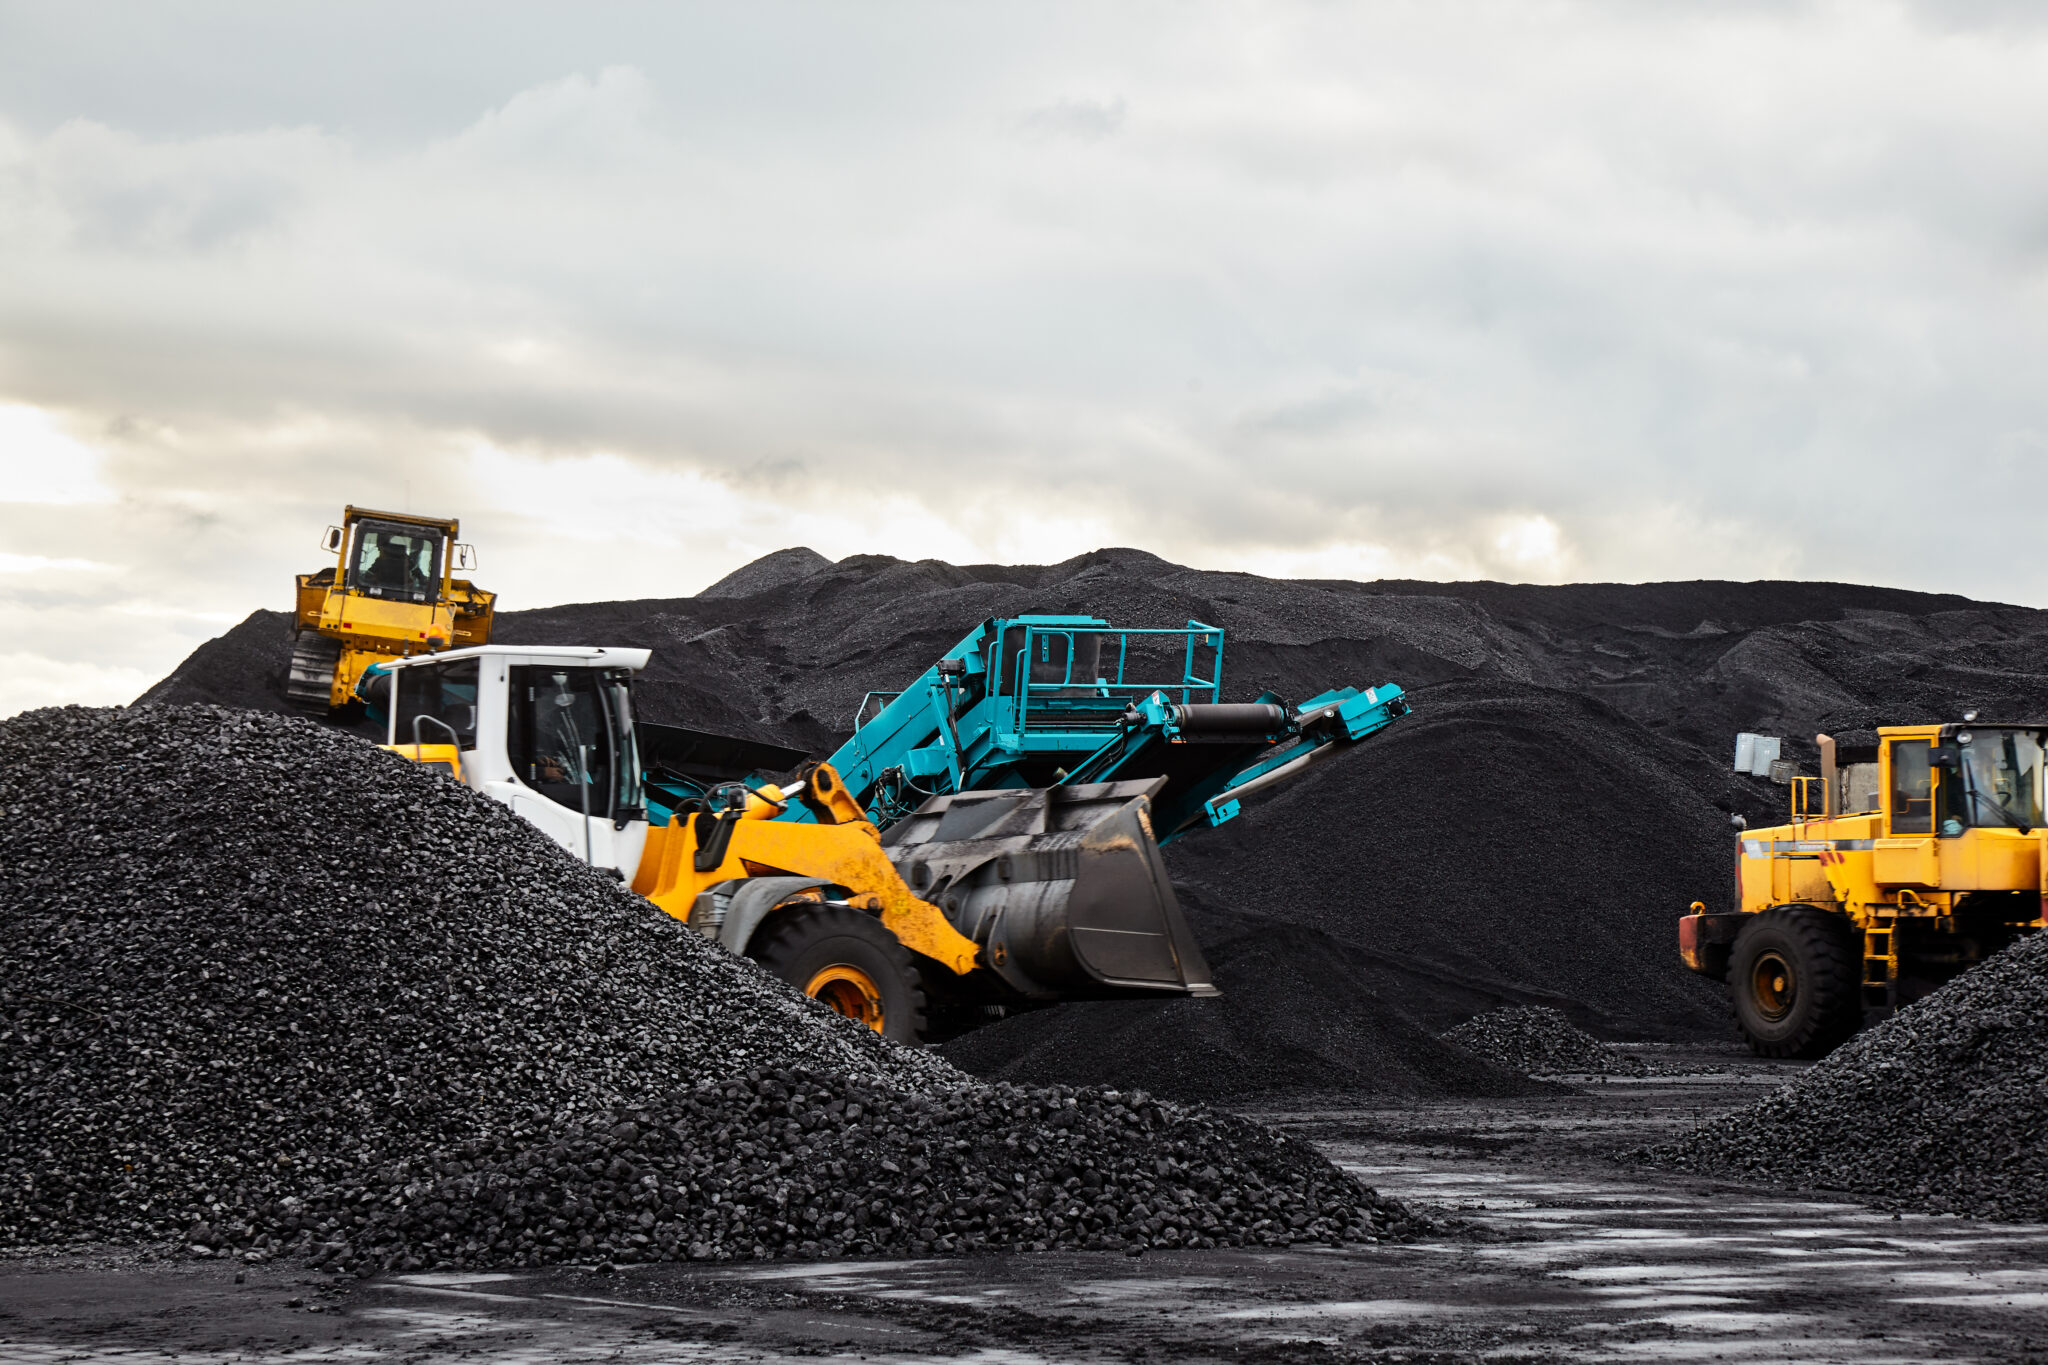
(396, 557)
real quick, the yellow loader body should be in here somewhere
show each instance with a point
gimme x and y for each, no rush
(1902, 871)
(846, 853)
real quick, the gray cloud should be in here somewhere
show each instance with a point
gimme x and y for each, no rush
(1580, 290)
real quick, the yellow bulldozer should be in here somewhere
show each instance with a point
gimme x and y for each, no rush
(391, 594)
(1905, 863)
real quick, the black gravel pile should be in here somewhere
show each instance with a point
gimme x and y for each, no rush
(808, 1164)
(1297, 1020)
(1538, 1041)
(273, 991)
(240, 954)
(1503, 845)
(1943, 1107)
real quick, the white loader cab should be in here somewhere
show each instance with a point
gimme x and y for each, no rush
(546, 730)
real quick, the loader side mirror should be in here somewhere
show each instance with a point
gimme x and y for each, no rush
(465, 557)
(1947, 757)
(333, 539)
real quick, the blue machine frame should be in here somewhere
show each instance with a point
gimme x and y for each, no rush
(1028, 701)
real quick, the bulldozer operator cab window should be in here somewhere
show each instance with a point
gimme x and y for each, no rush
(436, 704)
(2000, 785)
(400, 563)
(571, 739)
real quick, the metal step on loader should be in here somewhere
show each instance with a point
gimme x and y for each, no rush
(987, 841)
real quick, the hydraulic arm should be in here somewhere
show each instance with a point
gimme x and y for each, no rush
(1057, 701)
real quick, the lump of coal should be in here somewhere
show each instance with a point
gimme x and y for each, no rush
(1943, 1107)
(1539, 1041)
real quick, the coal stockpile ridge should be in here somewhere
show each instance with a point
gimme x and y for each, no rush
(798, 1163)
(784, 648)
(1538, 1041)
(240, 954)
(245, 667)
(1943, 1107)
(1500, 846)
(1295, 1021)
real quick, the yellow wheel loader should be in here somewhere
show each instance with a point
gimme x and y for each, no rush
(550, 732)
(391, 594)
(977, 902)
(1904, 864)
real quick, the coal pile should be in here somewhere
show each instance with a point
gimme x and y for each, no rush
(1538, 1041)
(271, 991)
(1943, 1107)
(1296, 1021)
(1501, 846)
(243, 954)
(807, 1164)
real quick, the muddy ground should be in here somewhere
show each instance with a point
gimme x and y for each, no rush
(1550, 1250)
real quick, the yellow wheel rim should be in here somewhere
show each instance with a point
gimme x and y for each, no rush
(1773, 985)
(848, 990)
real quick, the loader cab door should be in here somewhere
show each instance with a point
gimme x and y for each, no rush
(570, 738)
(1910, 809)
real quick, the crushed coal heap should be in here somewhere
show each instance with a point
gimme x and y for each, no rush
(1527, 838)
(1943, 1107)
(1539, 1041)
(1502, 845)
(1298, 1019)
(270, 990)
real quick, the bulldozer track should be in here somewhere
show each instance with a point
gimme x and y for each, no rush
(310, 683)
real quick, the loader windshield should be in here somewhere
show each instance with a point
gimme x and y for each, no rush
(400, 563)
(2001, 771)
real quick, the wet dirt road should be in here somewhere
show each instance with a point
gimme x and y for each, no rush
(1552, 1252)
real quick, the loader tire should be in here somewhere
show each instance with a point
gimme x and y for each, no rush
(844, 959)
(1794, 979)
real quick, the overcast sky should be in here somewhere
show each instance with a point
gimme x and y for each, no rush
(1540, 291)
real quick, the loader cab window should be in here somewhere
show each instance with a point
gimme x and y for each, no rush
(2001, 779)
(571, 739)
(436, 704)
(1912, 787)
(398, 563)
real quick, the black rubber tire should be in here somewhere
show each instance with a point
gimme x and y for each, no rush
(798, 942)
(1795, 981)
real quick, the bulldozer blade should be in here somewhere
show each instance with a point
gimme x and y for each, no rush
(1063, 888)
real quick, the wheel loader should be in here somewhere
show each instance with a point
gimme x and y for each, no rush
(988, 897)
(391, 594)
(1905, 863)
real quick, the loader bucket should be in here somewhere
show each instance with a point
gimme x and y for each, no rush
(1063, 888)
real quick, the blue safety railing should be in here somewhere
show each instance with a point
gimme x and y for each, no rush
(1097, 699)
